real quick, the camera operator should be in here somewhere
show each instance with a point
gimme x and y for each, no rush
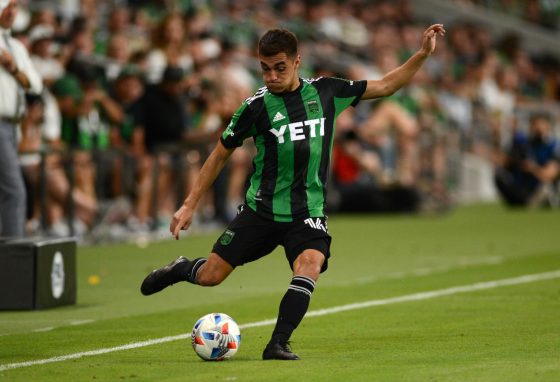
(532, 165)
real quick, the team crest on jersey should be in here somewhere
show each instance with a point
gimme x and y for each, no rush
(227, 237)
(313, 106)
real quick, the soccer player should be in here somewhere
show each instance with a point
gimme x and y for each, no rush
(291, 121)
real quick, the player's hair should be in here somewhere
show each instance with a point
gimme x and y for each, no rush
(277, 41)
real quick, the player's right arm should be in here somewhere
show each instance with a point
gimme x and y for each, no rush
(182, 218)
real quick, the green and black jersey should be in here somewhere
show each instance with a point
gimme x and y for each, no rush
(293, 133)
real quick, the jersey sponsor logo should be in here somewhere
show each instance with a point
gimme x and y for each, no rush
(316, 223)
(296, 130)
(278, 117)
(227, 237)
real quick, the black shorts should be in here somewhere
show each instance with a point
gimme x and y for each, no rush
(250, 236)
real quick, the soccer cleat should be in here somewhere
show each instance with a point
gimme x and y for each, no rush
(165, 276)
(279, 350)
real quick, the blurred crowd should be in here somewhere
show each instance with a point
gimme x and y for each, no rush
(137, 93)
(545, 13)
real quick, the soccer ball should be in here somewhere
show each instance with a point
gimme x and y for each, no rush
(216, 337)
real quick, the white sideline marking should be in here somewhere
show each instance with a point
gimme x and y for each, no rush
(463, 263)
(71, 323)
(314, 313)
(45, 329)
(81, 322)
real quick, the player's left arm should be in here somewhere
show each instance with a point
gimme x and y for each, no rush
(400, 76)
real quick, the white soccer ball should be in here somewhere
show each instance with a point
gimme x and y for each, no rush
(216, 337)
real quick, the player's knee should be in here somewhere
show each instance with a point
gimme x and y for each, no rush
(309, 264)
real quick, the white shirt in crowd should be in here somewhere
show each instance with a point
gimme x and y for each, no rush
(10, 101)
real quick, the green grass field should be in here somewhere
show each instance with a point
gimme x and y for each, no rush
(486, 331)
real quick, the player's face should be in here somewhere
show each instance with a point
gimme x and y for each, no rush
(280, 72)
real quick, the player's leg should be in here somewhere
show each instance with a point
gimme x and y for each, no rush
(313, 246)
(294, 304)
(212, 271)
(200, 271)
(246, 239)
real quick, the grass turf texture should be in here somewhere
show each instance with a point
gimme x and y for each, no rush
(508, 333)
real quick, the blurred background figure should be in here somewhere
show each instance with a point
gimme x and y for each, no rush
(42, 53)
(67, 93)
(358, 175)
(170, 48)
(530, 169)
(165, 120)
(17, 75)
(134, 166)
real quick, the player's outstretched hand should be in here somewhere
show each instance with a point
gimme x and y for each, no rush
(429, 40)
(182, 219)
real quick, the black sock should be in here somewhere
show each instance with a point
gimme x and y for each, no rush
(188, 270)
(293, 307)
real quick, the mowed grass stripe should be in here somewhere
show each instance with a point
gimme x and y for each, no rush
(315, 313)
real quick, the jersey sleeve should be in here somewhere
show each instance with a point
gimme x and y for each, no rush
(241, 126)
(347, 89)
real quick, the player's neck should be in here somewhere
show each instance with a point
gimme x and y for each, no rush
(295, 84)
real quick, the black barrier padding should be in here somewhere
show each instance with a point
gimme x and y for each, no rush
(37, 273)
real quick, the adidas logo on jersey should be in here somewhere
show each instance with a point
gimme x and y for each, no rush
(278, 117)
